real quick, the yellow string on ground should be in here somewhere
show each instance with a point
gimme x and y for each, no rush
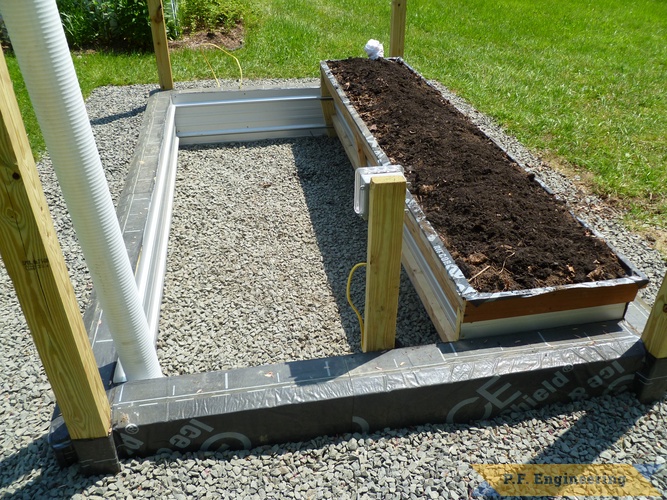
(209, 66)
(230, 55)
(349, 298)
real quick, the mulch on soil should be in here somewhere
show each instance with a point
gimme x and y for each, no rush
(501, 227)
(227, 39)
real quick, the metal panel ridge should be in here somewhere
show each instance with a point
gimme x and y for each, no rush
(255, 114)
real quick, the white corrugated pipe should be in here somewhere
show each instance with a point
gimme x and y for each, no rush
(39, 42)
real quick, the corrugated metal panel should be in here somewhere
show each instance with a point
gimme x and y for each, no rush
(247, 115)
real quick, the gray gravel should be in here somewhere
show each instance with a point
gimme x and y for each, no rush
(263, 238)
(262, 191)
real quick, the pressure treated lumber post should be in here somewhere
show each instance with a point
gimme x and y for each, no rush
(651, 381)
(35, 263)
(397, 33)
(328, 107)
(386, 205)
(160, 45)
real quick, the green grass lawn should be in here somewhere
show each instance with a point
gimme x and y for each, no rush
(580, 82)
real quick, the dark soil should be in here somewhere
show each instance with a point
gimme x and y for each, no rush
(501, 227)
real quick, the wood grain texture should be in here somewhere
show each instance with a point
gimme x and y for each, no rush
(383, 272)
(447, 285)
(364, 155)
(34, 261)
(427, 295)
(328, 108)
(655, 331)
(349, 144)
(160, 44)
(397, 32)
(554, 301)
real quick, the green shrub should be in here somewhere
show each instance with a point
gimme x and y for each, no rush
(200, 15)
(132, 25)
(87, 23)
(119, 24)
(124, 24)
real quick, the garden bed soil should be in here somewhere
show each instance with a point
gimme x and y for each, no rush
(502, 228)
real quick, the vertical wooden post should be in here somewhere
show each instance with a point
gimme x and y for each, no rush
(651, 381)
(35, 263)
(397, 33)
(160, 45)
(655, 331)
(328, 107)
(383, 271)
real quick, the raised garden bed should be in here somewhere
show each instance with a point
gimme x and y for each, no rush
(500, 253)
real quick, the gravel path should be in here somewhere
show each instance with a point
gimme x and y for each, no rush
(268, 236)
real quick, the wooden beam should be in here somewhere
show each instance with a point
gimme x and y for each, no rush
(160, 44)
(397, 33)
(328, 108)
(655, 331)
(383, 272)
(35, 263)
(426, 293)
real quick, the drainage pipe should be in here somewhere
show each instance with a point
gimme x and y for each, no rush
(39, 42)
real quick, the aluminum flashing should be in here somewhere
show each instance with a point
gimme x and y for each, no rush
(442, 382)
(476, 313)
(246, 115)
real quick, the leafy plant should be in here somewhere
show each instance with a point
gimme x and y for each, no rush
(86, 22)
(131, 25)
(199, 15)
(119, 24)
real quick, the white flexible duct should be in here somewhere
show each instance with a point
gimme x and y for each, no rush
(39, 42)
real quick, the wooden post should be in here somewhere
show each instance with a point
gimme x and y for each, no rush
(383, 272)
(397, 33)
(328, 107)
(651, 381)
(35, 263)
(655, 331)
(160, 44)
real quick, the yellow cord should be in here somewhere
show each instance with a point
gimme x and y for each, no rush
(209, 66)
(230, 55)
(349, 299)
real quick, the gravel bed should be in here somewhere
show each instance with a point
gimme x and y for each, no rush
(263, 238)
(431, 461)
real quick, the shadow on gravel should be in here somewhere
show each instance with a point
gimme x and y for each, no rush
(599, 423)
(35, 471)
(588, 427)
(327, 180)
(15, 467)
(607, 429)
(118, 116)
(597, 430)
